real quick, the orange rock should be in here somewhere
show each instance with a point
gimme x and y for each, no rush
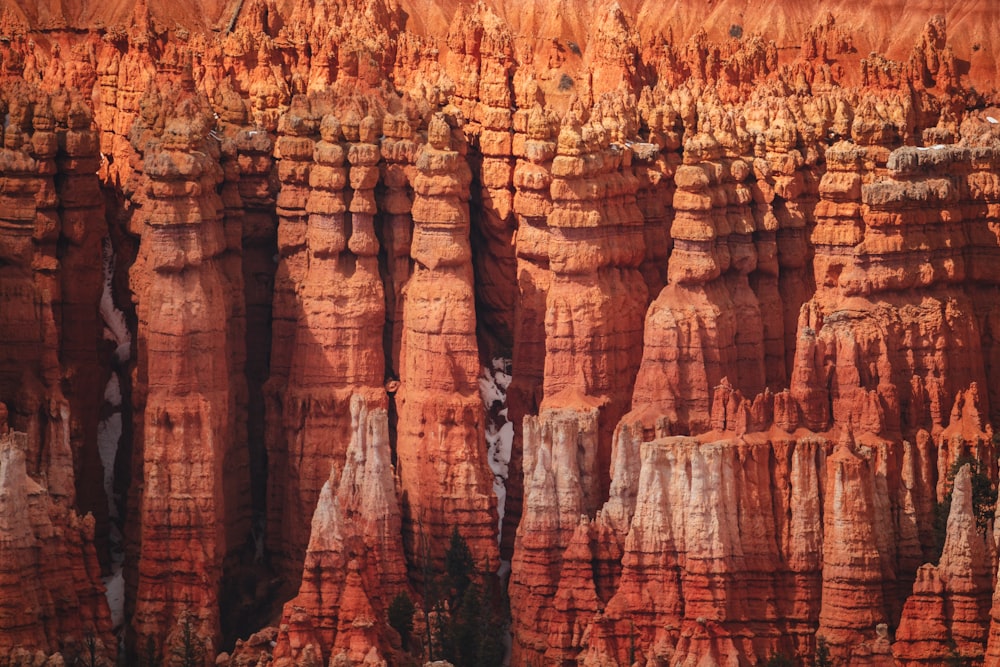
(854, 602)
(444, 478)
(949, 608)
(53, 597)
(354, 564)
(335, 308)
(676, 226)
(184, 363)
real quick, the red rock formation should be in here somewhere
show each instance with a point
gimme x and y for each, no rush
(481, 63)
(575, 601)
(185, 366)
(354, 564)
(691, 340)
(332, 312)
(53, 598)
(596, 296)
(949, 608)
(535, 150)
(256, 194)
(559, 451)
(809, 227)
(81, 216)
(440, 446)
(853, 569)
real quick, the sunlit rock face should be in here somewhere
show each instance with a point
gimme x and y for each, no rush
(682, 322)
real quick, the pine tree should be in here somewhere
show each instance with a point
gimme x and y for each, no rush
(400, 613)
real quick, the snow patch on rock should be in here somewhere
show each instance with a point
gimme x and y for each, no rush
(499, 431)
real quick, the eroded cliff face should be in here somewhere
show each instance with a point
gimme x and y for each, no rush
(252, 279)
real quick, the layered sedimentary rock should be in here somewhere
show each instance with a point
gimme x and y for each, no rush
(354, 564)
(949, 609)
(50, 379)
(440, 445)
(328, 328)
(692, 341)
(748, 290)
(53, 598)
(188, 520)
(559, 447)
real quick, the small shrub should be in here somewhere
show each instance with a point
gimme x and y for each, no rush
(565, 82)
(736, 31)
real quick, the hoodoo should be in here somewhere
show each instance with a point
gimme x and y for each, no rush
(405, 332)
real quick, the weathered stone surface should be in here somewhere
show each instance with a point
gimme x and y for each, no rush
(52, 594)
(949, 608)
(354, 564)
(748, 292)
(444, 478)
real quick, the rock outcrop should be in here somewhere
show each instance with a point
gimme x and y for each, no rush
(444, 479)
(187, 517)
(948, 612)
(53, 598)
(354, 564)
(328, 327)
(745, 295)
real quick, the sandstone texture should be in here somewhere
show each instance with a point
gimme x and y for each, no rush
(358, 332)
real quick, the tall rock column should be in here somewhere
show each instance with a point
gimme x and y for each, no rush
(337, 346)
(949, 607)
(187, 420)
(287, 528)
(441, 451)
(535, 149)
(594, 303)
(483, 51)
(691, 339)
(853, 615)
(399, 153)
(597, 298)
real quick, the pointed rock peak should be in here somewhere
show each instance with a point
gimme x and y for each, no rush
(326, 532)
(13, 469)
(966, 418)
(965, 565)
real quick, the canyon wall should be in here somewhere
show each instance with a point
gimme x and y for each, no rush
(262, 270)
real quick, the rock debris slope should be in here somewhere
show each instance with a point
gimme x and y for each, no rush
(745, 266)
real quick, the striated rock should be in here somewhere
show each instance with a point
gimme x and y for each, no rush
(354, 564)
(184, 363)
(709, 257)
(53, 597)
(535, 150)
(481, 64)
(444, 478)
(949, 608)
(575, 601)
(559, 452)
(853, 602)
(335, 306)
(691, 341)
